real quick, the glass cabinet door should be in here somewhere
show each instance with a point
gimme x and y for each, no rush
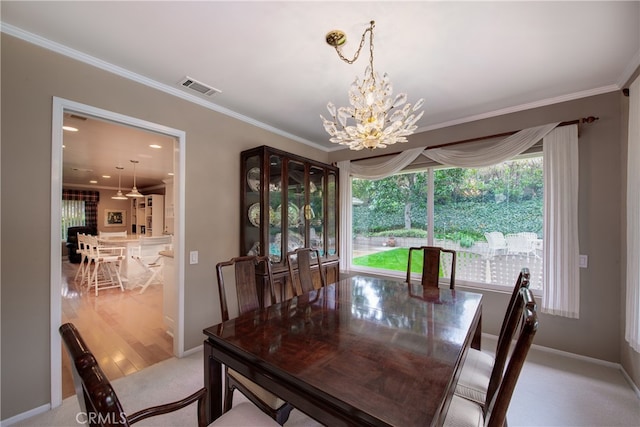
(275, 209)
(252, 216)
(296, 201)
(332, 213)
(314, 210)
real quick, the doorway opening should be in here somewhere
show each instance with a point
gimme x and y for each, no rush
(104, 309)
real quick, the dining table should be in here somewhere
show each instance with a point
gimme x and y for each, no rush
(364, 350)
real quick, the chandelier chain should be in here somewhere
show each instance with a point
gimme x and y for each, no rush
(357, 54)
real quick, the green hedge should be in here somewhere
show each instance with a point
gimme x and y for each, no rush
(465, 222)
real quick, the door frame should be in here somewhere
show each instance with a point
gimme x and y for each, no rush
(60, 106)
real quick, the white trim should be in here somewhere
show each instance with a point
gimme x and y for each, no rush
(57, 118)
(25, 415)
(61, 105)
(175, 91)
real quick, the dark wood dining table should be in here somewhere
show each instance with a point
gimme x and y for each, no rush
(361, 351)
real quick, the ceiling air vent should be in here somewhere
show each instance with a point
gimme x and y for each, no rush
(199, 87)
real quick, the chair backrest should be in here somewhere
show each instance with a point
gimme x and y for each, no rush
(497, 405)
(97, 398)
(522, 282)
(249, 290)
(112, 234)
(522, 297)
(301, 264)
(497, 242)
(431, 266)
(95, 394)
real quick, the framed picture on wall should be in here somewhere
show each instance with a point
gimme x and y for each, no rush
(115, 218)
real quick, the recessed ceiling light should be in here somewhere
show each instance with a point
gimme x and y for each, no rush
(106, 176)
(155, 146)
(170, 173)
(70, 128)
(93, 181)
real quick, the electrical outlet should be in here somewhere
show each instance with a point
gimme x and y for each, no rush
(193, 257)
(583, 261)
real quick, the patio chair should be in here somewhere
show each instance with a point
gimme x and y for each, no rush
(497, 243)
(521, 243)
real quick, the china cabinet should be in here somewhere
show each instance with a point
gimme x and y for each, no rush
(288, 202)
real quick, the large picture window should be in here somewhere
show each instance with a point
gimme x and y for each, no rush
(492, 217)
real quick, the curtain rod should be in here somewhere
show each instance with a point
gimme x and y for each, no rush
(589, 119)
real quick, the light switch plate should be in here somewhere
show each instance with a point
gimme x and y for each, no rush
(583, 261)
(193, 257)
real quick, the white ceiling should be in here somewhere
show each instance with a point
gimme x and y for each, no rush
(469, 60)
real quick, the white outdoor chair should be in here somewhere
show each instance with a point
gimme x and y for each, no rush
(497, 243)
(148, 257)
(520, 243)
(107, 262)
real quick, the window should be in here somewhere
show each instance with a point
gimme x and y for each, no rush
(73, 214)
(491, 216)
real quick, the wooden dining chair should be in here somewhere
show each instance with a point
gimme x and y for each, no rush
(480, 374)
(249, 292)
(431, 262)
(467, 413)
(302, 262)
(101, 406)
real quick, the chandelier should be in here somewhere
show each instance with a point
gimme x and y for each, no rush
(380, 119)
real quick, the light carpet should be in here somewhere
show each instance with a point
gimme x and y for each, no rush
(553, 390)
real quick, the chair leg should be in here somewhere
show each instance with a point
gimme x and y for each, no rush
(228, 398)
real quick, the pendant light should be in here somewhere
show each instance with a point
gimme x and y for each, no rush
(119, 195)
(134, 191)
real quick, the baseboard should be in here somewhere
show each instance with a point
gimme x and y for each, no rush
(25, 415)
(193, 350)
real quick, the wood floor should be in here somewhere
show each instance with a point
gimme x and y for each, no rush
(124, 330)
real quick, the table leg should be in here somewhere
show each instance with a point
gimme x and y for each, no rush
(477, 336)
(213, 384)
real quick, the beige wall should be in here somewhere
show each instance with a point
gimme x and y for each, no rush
(31, 76)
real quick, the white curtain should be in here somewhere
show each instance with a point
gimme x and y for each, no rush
(487, 153)
(561, 284)
(632, 316)
(389, 167)
(346, 205)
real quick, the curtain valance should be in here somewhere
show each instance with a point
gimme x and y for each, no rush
(487, 153)
(87, 196)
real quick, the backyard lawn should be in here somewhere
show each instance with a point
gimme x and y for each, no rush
(393, 259)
